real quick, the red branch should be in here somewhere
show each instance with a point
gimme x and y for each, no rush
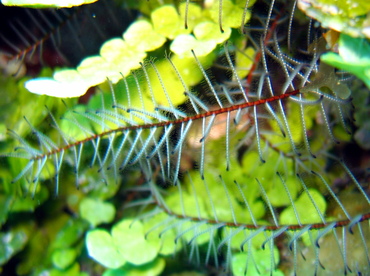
(169, 122)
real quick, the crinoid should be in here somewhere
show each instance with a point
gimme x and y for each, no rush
(237, 170)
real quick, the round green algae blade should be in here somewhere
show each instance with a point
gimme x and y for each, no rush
(97, 211)
(129, 237)
(102, 247)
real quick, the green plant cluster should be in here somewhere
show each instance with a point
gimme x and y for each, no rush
(119, 56)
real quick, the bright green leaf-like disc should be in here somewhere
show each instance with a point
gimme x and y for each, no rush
(63, 258)
(72, 130)
(307, 212)
(142, 37)
(188, 68)
(171, 83)
(262, 260)
(121, 57)
(131, 243)
(47, 3)
(231, 14)
(94, 69)
(207, 36)
(102, 248)
(208, 30)
(51, 87)
(183, 44)
(67, 76)
(167, 239)
(167, 22)
(96, 211)
(112, 48)
(193, 16)
(278, 195)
